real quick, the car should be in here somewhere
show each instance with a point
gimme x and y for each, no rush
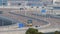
(21, 8)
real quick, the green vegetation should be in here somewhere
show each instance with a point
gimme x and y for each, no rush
(39, 33)
(35, 31)
(56, 32)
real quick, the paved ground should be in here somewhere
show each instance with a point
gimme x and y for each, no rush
(24, 15)
(21, 16)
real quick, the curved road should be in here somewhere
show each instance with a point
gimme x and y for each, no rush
(54, 22)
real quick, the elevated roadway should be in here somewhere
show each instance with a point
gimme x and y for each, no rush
(54, 22)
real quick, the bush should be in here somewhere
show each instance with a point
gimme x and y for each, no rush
(56, 32)
(40, 33)
(33, 31)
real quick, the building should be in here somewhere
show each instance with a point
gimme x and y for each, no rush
(24, 2)
(48, 4)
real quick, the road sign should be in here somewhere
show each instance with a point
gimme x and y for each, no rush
(21, 25)
(43, 11)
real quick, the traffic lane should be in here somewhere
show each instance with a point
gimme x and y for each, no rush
(24, 20)
(44, 18)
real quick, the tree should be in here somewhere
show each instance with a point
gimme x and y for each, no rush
(56, 32)
(33, 31)
(40, 33)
